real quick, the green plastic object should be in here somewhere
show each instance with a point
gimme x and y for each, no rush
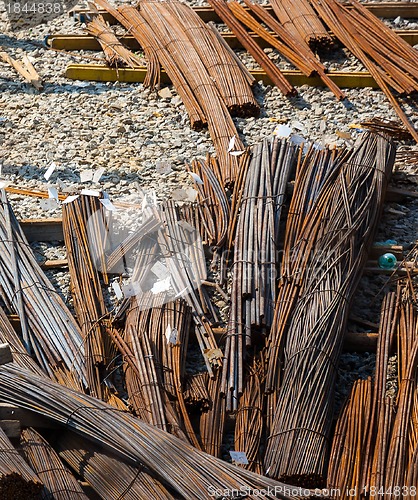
(387, 261)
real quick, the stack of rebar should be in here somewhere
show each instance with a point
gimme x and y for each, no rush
(293, 49)
(249, 425)
(253, 293)
(361, 437)
(17, 479)
(109, 476)
(58, 481)
(300, 20)
(191, 473)
(328, 254)
(49, 331)
(154, 347)
(84, 223)
(116, 54)
(389, 59)
(221, 7)
(195, 61)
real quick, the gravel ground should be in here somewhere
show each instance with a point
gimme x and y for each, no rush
(143, 140)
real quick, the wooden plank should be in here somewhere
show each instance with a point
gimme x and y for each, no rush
(385, 10)
(49, 229)
(55, 264)
(377, 250)
(101, 73)
(360, 342)
(87, 42)
(25, 417)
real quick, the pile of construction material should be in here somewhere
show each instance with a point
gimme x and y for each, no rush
(114, 379)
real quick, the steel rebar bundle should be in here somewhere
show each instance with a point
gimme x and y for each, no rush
(361, 438)
(116, 54)
(404, 436)
(300, 20)
(213, 199)
(9, 336)
(231, 81)
(249, 417)
(84, 226)
(187, 267)
(349, 441)
(222, 9)
(58, 481)
(212, 421)
(296, 51)
(195, 392)
(171, 33)
(17, 479)
(134, 441)
(313, 170)
(156, 55)
(329, 253)
(253, 293)
(110, 478)
(389, 59)
(50, 333)
(154, 348)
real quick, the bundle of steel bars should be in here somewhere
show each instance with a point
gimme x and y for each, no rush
(116, 54)
(84, 223)
(49, 331)
(361, 436)
(253, 293)
(300, 20)
(249, 418)
(58, 481)
(17, 479)
(294, 50)
(154, 346)
(191, 473)
(107, 474)
(328, 254)
(389, 59)
(221, 7)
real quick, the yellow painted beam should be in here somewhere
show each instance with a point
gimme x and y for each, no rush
(101, 73)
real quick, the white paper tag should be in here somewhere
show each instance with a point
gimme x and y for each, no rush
(90, 192)
(130, 289)
(70, 199)
(297, 140)
(160, 270)
(50, 171)
(171, 335)
(86, 175)
(53, 193)
(117, 289)
(196, 178)
(161, 285)
(236, 153)
(282, 131)
(98, 174)
(49, 204)
(108, 205)
(231, 144)
(239, 457)
(191, 194)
